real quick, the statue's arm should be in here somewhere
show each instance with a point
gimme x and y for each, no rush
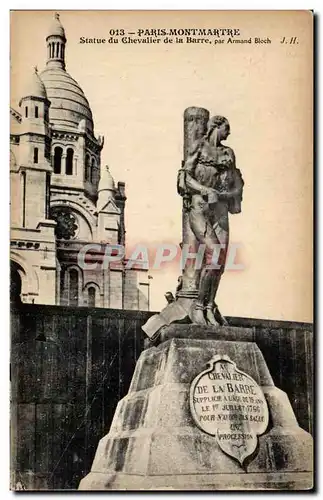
(237, 190)
(234, 195)
(195, 187)
(187, 184)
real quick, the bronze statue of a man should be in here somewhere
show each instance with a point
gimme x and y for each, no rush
(212, 187)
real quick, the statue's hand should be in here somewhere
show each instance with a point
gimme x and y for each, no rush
(224, 195)
(227, 195)
(212, 195)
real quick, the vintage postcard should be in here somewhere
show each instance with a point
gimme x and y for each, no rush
(161, 172)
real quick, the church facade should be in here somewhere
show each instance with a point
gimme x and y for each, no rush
(62, 199)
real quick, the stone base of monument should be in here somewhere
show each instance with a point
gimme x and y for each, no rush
(154, 442)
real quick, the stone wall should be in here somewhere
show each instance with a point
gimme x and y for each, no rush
(71, 366)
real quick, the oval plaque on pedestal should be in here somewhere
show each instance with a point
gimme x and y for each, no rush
(228, 404)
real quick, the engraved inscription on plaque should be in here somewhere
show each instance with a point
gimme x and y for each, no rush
(228, 404)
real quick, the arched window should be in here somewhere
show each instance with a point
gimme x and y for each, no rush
(87, 167)
(91, 296)
(69, 161)
(23, 182)
(35, 155)
(93, 171)
(58, 160)
(15, 283)
(73, 292)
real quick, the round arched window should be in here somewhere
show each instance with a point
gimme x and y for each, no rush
(87, 167)
(58, 152)
(73, 292)
(93, 171)
(91, 296)
(69, 161)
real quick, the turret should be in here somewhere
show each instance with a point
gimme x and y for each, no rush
(35, 107)
(56, 42)
(108, 212)
(34, 153)
(106, 189)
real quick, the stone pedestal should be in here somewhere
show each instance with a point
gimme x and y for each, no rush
(154, 444)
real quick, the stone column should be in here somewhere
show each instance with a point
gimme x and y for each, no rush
(63, 163)
(195, 124)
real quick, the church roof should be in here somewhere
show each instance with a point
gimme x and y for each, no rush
(106, 181)
(34, 86)
(68, 103)
(56, 27)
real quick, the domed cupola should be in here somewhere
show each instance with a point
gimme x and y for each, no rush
(34, 107)
(56, 41)
(69, 105)
(110, 216)
(34, 87)
(75, 151)
(107, 181)
(56, 28)
(106, 188)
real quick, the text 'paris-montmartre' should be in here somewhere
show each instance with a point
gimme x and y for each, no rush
(161, 32)
(182, 35)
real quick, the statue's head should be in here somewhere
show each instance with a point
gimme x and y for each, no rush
(220, 126)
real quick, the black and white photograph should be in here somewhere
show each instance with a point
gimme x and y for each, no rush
(161, 250)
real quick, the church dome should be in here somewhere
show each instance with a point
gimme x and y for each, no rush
(35, 87)
(56, 28)
(107, 181)
(106, 189)
(68, 103)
